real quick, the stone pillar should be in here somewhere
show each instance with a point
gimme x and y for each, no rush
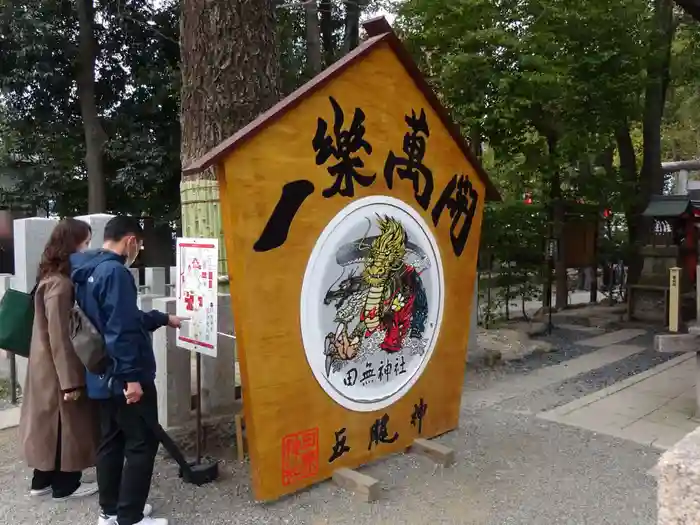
(155, 280)
(219, 373)
(681, 185)
(97, 222)
(145, 301)
(30, 237)
(5, 283)
(173, 281)
(173, 372)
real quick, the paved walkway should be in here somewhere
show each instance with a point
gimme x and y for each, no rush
(654, 408)
(515, 464)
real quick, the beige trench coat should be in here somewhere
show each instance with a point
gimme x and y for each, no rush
(53, 368)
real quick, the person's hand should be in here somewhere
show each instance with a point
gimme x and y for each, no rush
(176, 322)
(71, 396)
(133, 393)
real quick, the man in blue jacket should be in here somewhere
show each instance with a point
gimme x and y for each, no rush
(106, 292)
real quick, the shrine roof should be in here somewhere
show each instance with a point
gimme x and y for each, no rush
(379, 32)
(667, 206)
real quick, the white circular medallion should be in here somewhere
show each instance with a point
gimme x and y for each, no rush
(371, 303)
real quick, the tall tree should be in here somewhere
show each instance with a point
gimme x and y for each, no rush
(351, 39)
(313, 36)
(230, 74)
(95, 137)
(136, 92)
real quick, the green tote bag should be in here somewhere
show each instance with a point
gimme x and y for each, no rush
(16, 320)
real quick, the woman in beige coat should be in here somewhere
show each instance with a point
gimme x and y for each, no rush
(58, 426)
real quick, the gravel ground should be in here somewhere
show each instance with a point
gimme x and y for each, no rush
(511, 469)
(565, 344)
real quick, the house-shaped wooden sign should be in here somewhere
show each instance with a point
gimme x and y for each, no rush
(352, 214)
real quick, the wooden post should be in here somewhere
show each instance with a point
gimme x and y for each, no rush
(674, 300)
(697, 294)
(240, 450)
(364, 487)
(697, 385)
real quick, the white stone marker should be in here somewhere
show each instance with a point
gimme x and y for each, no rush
(97, 222)
(30, 237)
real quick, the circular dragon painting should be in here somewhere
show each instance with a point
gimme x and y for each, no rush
(371, 303)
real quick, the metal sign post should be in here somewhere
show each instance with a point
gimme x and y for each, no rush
(552, 251)
(197, 300)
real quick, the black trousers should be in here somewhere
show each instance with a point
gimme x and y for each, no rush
(126, 455)
(62, 483)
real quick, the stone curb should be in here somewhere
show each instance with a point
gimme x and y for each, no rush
(563, 410)
(9, 418)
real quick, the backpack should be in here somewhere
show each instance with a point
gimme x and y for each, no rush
(88, 343)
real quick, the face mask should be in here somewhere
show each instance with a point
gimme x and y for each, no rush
(131, 257)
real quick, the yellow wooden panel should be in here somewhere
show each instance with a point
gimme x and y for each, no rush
(291, 420)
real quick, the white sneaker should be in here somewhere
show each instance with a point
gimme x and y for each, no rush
(112, 520)
(40, 492)
(83, 491)
(147, 520)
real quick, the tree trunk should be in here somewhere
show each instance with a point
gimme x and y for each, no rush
(94, 134)
(558, 216)
(326, 10)
(230, 74)
(313, 37)
(651, 178)
(658, 76)
(352, 25)
(475, 140)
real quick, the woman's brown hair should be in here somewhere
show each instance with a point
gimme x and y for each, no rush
(64, 241)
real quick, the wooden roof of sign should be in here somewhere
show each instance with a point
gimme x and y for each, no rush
(379, 32)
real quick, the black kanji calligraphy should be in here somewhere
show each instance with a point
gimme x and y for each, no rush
(400, 366)
(350, 377)
(369, 374)
(277, 228)
(343, 146)
(419, 411)
(384, 370)
(460, 198)
(411, 166)
(339, 447)
(379, 432)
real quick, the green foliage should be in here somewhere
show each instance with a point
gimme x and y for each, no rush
(137, 95)
(42, 144)
(681, 138)
(511, 255)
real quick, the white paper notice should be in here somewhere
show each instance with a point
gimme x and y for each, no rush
(196, 292)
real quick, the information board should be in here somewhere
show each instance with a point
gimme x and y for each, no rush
(196, 292)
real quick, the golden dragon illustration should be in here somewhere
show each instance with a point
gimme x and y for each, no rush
(386, 291)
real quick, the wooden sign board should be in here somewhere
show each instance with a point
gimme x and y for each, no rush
(352, 213)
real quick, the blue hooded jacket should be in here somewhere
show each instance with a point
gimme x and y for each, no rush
(105, 290)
